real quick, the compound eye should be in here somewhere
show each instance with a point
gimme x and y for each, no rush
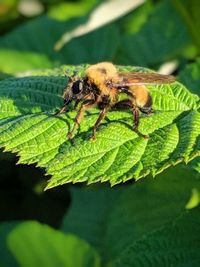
(77, 87)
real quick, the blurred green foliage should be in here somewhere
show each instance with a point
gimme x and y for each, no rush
(154, 222)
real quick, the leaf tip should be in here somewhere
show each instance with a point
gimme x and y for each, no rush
(48, 186)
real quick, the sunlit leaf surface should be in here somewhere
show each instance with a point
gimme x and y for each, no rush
(29, 128)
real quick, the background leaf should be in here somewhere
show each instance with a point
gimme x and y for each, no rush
(129, 215)
(152, 44)
(190, 76)
(175, 244)
(145, 217)
(6, 258)
(28, 60)
(7, 10)
(190, 14)
(68, 10)
(103, 14)
(34, 244)
(95, 46)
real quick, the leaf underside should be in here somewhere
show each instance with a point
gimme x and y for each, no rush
(29, 128)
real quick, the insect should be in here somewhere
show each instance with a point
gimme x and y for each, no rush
(101, 87)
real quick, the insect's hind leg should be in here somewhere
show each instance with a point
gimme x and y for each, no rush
(127, 104)
(135, 118)
(124, 104)
(135, 112)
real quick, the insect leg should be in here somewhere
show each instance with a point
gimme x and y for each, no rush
(64, 107)
(98, 121)
(135, 111)
(76, 104)
(62, 110)
(127, 104)
(79, 116)
(124, 104)
(135, 118)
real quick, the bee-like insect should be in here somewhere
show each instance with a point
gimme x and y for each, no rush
(101, 87)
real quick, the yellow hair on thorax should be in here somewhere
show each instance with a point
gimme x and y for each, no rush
(99, 73)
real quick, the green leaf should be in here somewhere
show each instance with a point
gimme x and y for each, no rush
(196, 164)
(8, 11)
(175, 245)
(190, 76)
(34, 244)
(66, 11)
(6, 258)
(4, 76)
(114, 219)
(107, 11)
(39, 52)
(190, 13)
(157, 40)
(13, 61)
(133, 22)
(29, 129)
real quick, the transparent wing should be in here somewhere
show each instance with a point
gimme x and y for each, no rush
(139, 78)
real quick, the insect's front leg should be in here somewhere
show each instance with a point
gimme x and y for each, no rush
(76, 104)
(85, 104)
(62, 110)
